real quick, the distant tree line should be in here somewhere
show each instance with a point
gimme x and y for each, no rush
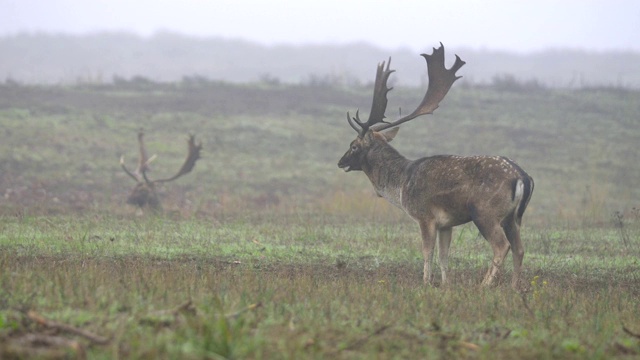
(166, 57)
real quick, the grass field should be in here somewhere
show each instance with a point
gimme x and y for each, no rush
(267, 250)
(309, 286)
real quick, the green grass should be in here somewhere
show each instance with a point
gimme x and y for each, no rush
(283, 255)
(325, 287)
(278, 146)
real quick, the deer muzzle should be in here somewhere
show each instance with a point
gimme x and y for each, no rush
(342, 164)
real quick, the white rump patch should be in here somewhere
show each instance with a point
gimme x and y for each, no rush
(519, 190)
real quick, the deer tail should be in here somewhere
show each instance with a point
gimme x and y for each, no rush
(522, 194)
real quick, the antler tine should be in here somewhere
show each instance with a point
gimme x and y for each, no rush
(440, 81)
(146, 167)
(379, 104)
(143, 159)
(124, 167)
(192, 156)
(357, 121)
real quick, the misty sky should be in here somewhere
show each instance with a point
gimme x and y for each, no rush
(515, 25)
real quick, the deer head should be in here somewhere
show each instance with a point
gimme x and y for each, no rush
(370, 132)
(144, 194)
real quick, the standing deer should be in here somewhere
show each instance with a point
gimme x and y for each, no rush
(442, 191)
(144, 193)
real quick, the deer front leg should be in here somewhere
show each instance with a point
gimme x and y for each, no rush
(444, 241)
(428, 231)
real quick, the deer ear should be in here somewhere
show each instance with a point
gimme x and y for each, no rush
(389, 135)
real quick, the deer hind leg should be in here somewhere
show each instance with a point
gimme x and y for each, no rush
(494, 233)
(428, 231)
(512, 230)
(444, 242)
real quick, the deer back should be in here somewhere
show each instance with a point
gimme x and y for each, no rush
(452, 188)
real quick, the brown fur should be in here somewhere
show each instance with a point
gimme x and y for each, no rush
(440, 192)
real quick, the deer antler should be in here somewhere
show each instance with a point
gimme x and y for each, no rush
(133, 176)
(192, 156)
(143, 161)
(440, 81)
(379, 104)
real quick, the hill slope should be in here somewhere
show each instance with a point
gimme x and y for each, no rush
(277, 146)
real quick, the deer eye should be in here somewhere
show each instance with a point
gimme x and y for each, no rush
(354, 147)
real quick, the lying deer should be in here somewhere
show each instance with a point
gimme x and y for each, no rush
(440, 192)
(144, 193)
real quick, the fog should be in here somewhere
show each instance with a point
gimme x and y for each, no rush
(567, 43)
(498, 25)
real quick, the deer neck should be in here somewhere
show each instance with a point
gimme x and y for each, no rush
(385, 168)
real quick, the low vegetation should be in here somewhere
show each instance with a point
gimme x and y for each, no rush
(310, 286)
(268, 250)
